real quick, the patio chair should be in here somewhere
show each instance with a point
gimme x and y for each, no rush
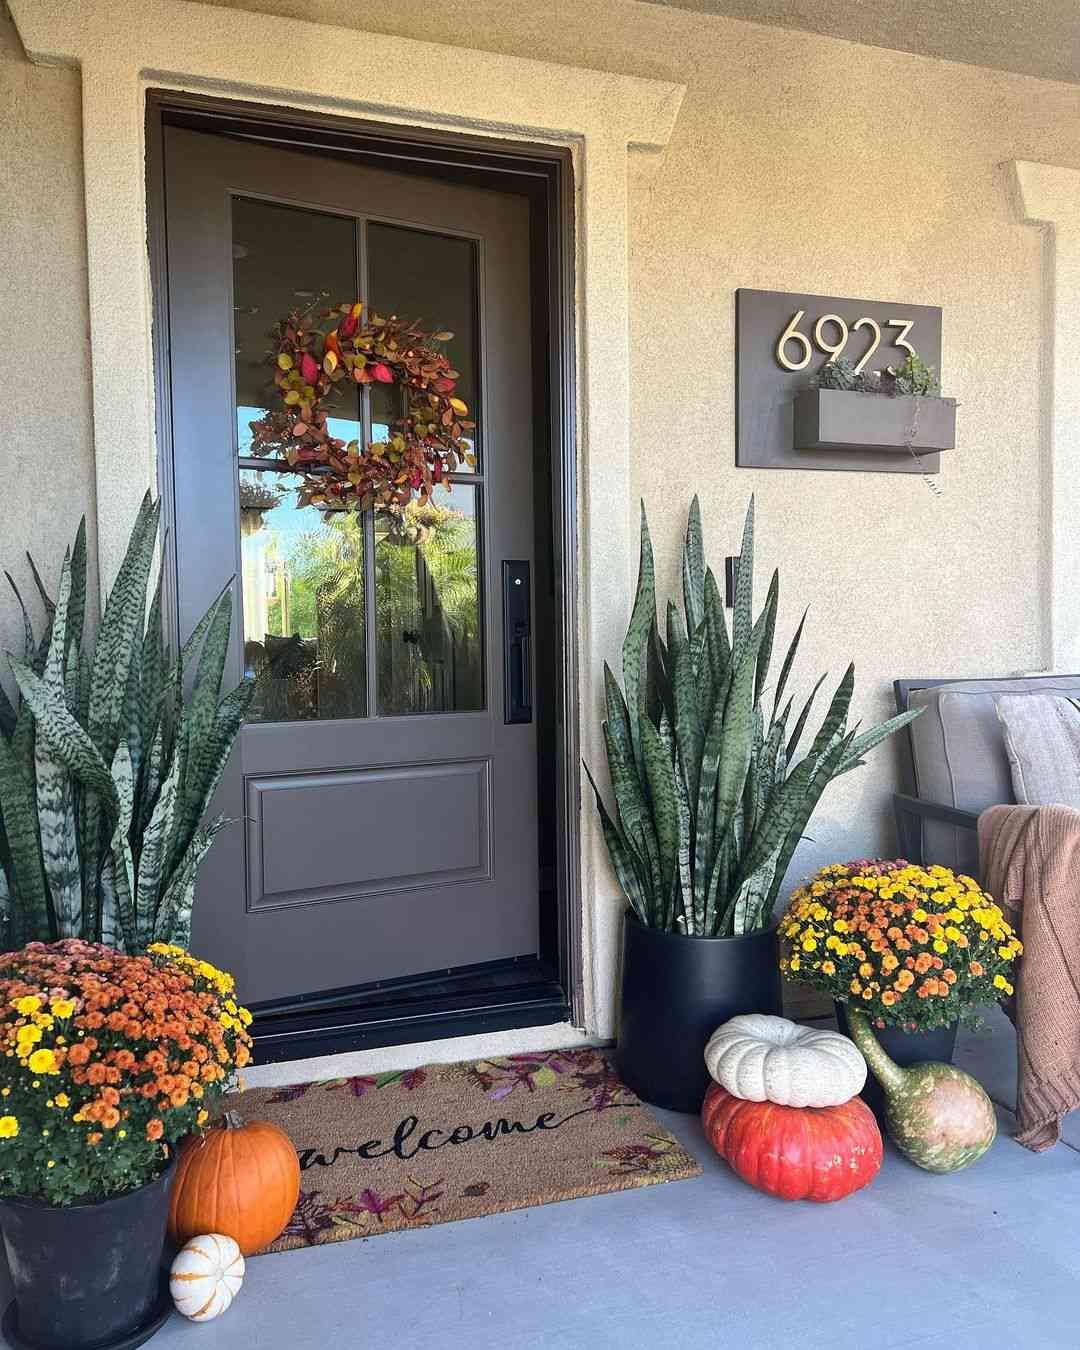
(959, 765)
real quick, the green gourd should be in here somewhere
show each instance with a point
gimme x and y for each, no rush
(937, 1116)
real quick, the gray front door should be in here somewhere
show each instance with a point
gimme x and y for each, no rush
(385, 808)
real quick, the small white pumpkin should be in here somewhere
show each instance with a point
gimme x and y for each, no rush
(761, 1058)
(206, 1276)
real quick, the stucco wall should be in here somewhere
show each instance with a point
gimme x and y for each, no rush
(797, 162)
(46, 450)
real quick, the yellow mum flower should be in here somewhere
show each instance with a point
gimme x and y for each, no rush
(62, 1007)
(62, 1099)
(9, 1127)
(43, 1061)
(841, 925)
(26, 1005)
(919, 915)
(809, 945)
(828, 967)
(941, 947)
(28, 1035)
(795, 963)
(245, 1017)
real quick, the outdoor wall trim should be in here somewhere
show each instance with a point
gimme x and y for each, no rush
(122, 48)
(1049, 197)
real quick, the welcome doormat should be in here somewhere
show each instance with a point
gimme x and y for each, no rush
(456, 1141)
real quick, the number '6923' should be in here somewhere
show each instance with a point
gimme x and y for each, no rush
(791, 337)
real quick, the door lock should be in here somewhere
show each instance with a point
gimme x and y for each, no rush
(517, 644)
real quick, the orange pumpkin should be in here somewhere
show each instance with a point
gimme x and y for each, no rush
(242, 1180)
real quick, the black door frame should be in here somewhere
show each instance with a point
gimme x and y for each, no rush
(506, 994)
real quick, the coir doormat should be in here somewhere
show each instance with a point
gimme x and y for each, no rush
(456, 1141)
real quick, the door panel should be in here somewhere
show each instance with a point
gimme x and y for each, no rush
(391, 811)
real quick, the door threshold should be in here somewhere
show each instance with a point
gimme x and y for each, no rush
(501, 997)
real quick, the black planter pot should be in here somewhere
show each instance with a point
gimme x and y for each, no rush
(88, 1277)
(676, 991)
(905, 1048)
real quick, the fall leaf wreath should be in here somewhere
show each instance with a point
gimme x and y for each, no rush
(315, 358)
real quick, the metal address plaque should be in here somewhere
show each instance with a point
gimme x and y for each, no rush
(783, 338)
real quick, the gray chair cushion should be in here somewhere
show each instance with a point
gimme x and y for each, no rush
(958, 749)
(1042, 740)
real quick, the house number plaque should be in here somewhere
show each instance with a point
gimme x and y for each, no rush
(782, 339)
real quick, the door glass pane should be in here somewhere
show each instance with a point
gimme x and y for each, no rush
(285, 258)
(430, 278)
(428, 606)
(303, 583)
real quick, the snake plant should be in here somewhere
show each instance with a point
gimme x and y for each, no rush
(711, 795)
(106, 765)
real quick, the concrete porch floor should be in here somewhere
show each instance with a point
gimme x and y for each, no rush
(985, 1258)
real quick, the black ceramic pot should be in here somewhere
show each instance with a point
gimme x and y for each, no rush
(676, 991)
(88, 1277)
(905, 1048)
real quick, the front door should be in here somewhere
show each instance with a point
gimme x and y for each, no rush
(384, 789)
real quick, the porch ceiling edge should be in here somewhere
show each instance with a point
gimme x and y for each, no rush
(123, 49)
(1048, 196)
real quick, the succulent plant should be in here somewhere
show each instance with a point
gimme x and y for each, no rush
(106, 767)
(839, 374)
(913, 377)
(710, 797)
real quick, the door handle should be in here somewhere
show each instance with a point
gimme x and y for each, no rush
(517, 634)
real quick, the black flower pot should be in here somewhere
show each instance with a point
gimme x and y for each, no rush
(676, 991)
(904, 1048)
(88, 1277)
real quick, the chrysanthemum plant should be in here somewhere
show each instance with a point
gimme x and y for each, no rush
(711, 794)
(108, 1061)
(106, 767)
(908, 946)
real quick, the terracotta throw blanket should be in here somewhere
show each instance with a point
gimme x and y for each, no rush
(1030, 859)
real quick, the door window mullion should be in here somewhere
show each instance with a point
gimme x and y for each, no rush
(363, 290)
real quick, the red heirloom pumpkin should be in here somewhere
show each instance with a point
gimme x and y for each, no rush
(796, 1153)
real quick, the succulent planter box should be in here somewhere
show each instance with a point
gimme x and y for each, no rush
(841, 419)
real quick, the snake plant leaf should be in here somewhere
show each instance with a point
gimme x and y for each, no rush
(780, 815)
(179, 898)
(772, 600)
(53, 785)
(628, 869)
(642, 618)
(202, 708)
(76, 619)
(7, 713)
(153, 670)
(836, 717)
(800, 724)
(634, 815)
(742, 620)
(689, 729)
(69, 742)
(152, 857)
(658, 695)
(6, 942)
(738, 733)
(693, 569)
(823, 774)
(18, 808)
(124, 616)
(869, 739)
(705, 813)
(692, 907)
(755, 791)
(123, 866)
(29, 642)
(716, 637)
(660, 773)
(46, 599)
(789, 659)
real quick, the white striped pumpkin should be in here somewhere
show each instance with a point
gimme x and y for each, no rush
(206, 1276)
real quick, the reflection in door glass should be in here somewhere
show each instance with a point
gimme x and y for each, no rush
(284, 258)
(430, 278)
(303, 582)
(428, 606)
